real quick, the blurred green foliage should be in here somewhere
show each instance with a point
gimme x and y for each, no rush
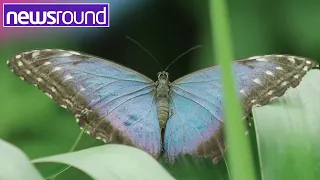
(38, 126)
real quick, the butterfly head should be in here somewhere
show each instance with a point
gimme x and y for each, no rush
(163, 75)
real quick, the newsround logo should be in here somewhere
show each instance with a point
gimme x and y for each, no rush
(56, 14)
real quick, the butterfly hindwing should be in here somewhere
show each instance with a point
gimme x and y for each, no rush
(196, 124)
(194, 120)
(115, 103)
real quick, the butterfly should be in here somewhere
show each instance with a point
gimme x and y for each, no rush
(166, 119)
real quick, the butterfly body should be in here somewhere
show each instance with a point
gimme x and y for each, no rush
(119, 105)
(162, 97)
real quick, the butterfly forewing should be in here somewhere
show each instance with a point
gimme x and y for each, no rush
(195, 126)
(260, 79)
(116, 104)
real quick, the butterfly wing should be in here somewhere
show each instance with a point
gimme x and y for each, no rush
(195, 126)
(115, 103)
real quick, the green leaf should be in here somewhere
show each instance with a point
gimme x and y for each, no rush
(14, 164)
(287, 131)
(239, 152)
(113, 162)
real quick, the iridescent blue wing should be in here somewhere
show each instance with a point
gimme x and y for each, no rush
(114, 102)
(195, 126)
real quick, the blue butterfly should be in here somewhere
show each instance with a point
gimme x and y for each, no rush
(117, 104)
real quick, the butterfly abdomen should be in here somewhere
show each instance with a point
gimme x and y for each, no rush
(163, 110)
(162, 97)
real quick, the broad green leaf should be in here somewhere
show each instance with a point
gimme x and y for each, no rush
(288, 130)
(14, 164)
(113, 162)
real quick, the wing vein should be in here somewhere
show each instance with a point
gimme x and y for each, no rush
(197, 102)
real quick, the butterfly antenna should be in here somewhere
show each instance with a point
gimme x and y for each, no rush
(145, 51)
(186, 52)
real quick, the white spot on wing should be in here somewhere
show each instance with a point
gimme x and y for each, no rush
(64, 106)
(262, 59)
(22, 78)
(77, 120)
(28, 71)
(291, 59)
(273, 98)
(8, 62)
(284, 83)
(49, 95)
(56, 69)
(66, 54)
(20, 63)
(305, 68)
(269, 73)
(74, 52)
(270, 92)
(300, 58)
(242, 91)
(296, 76)
(254, 57)
(88, 132)
(68, 102)
(53, 89)
(47, 63)
(18, 56)
(36, 53)
(308, 62)
(279, 68)
(256, 105)
(98, 137)
(257, 81)
(67, 77)
(39, 79)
